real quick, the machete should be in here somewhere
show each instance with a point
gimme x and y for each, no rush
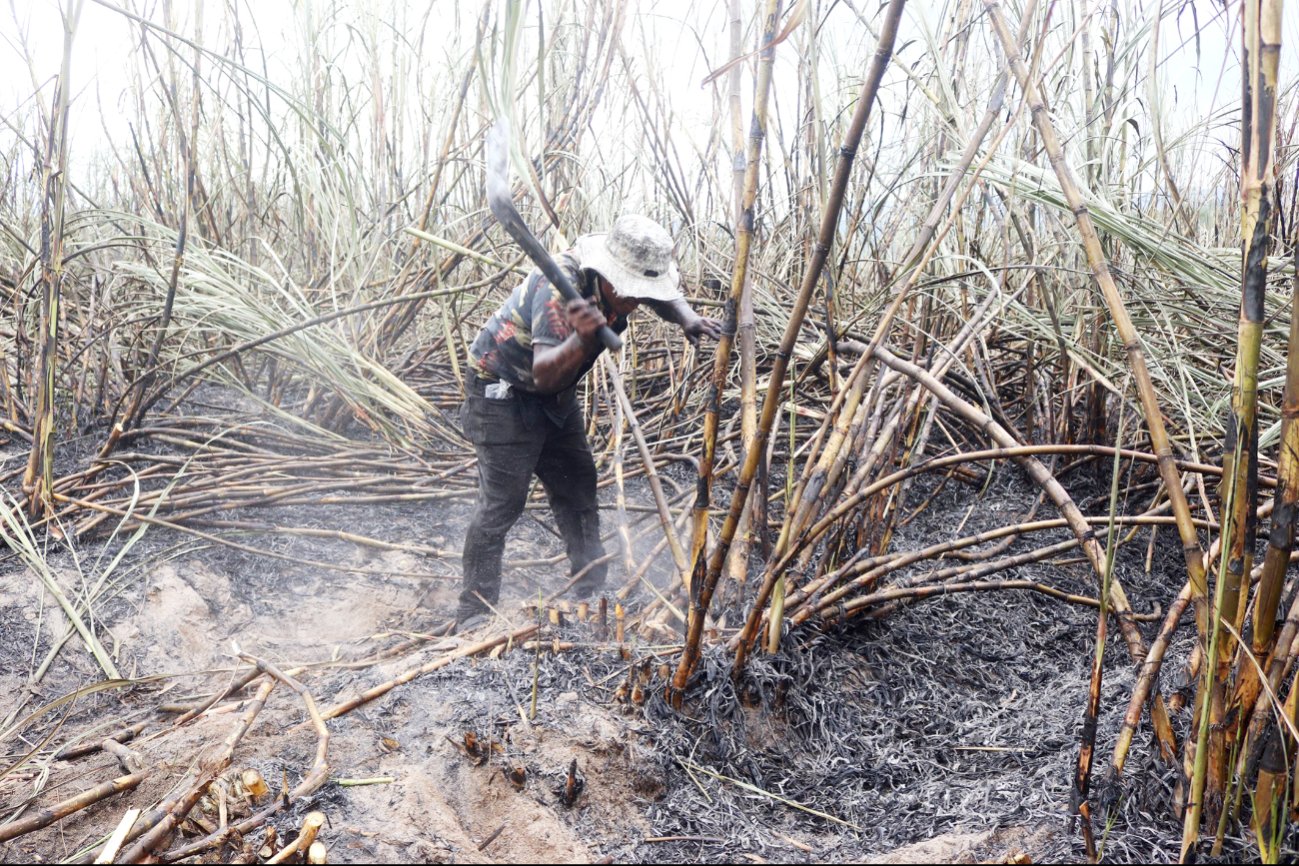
(498, 199)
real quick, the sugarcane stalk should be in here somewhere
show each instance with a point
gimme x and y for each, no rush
(306, 837)
(1145, 684)
(1280, 539)
(620, 486)
(1197, 757)
(173, 810)
(1261, 52)
(38, 478)
(851, 503)
(1269, 794)
(701, 589)
(778, 594)
(746, 325)
(398, 320)
(828, 443)
(506, 639)
(888, 598)
(140, 403)
(651, 473)
(1087, 748)
(1122, 322)
(775, 384)
(52, 814)
(853, 406)
(1268, 744)
(1045, 480)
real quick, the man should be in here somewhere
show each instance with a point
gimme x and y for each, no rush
(521, 411)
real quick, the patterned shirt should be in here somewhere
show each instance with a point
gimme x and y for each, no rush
(534, 315)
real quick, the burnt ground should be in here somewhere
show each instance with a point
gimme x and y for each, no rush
(945, 733)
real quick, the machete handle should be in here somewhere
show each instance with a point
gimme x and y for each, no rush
(502, 206)
(611, 341)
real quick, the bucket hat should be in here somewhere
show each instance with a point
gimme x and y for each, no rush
(635, 256)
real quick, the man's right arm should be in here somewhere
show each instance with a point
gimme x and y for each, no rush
(555, 366)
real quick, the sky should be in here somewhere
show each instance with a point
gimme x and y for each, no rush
(686, 39)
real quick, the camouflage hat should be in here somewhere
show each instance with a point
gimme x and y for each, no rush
(635, 257)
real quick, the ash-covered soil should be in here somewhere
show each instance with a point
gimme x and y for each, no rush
(944, 733)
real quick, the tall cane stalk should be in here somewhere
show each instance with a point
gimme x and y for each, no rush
(1087, 749)
(38, 478)
(1261, 44)
(772, 398)
(140, 403)
(746, 323)
(1280, 540)
(701, 596)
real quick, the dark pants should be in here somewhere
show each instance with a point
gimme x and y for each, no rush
(516, 438)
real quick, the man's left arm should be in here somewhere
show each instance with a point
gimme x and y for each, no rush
(679, 313)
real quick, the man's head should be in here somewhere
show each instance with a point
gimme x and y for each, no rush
(616, 301)
(635, 258)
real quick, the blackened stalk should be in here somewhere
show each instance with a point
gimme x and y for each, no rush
(701, 588)
(702, 592)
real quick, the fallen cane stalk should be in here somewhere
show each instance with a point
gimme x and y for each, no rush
(173, 811)
(70, 806)
(203, 706)
(1064, 502)
(320, 766)
(311, 825)
(756, 790)
(317, 776)
(115, 841)
(120, 736)
(435, 665)
(848, 505)
(925, 592)
(869, 571)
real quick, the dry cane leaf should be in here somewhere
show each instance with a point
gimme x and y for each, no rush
(796, 16)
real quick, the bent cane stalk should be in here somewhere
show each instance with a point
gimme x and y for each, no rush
(845, 403)
(1104, 279)
(1145, 683)
(651, 472)
(1041, 476)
